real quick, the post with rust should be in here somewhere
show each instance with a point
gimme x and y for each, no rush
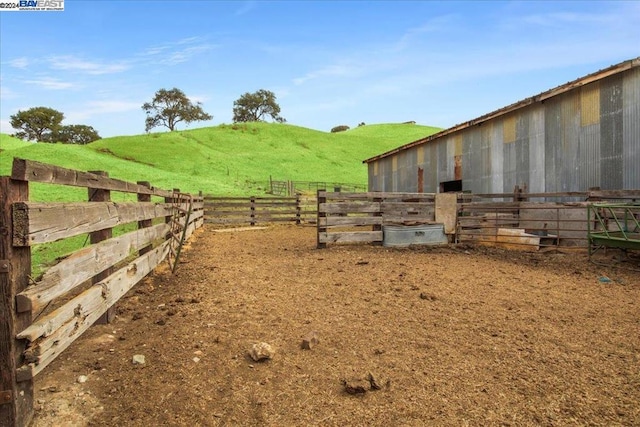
(321, 218)
(99, 195)
(16, 397)
(145, 222)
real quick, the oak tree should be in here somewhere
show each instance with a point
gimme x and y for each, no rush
(36, 124)
(170, 107)
(75, 134)
(255, 107)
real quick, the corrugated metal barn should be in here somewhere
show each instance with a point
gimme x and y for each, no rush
(581, 135)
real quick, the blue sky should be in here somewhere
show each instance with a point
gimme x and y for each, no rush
(328, 62)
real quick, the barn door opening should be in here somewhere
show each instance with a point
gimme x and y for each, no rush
(420, 180)
(451, 186)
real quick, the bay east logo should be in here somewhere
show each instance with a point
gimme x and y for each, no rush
(42, 4)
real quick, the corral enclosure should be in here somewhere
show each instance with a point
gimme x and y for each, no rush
(412, 334)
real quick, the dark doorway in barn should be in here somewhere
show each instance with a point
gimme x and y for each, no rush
(451, 186)
(420, 180)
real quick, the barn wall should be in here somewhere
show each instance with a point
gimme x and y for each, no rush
(586, 137)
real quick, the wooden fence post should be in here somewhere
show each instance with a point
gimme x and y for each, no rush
(98, 195)
(298, 208)
(321, 199)
(380, 213)
(253, 211)
(146, 222)
(16, 398)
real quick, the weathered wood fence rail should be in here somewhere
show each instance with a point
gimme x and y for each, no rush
(39, 320)
(513, 221)
(258, 210)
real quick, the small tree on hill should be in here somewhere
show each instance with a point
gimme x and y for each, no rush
(75, 134)
(170, 107)
(36, 124)
(255, 107)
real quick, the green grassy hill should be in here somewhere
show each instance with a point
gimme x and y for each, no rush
(224, 160)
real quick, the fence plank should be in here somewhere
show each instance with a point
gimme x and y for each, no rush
(29, 170)
(337, 221)
(349, 207)
(48, 222)
(84, 264)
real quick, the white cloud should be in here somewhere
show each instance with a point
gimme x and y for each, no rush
(6, 92)
(336, 70)
(177, 52)
(438, 24)
(198, 98)
(184, 55)
(97, 108)
(50, 83)
(21, 63)
(72, 63)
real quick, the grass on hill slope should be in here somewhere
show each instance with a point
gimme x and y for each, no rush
(222, 160)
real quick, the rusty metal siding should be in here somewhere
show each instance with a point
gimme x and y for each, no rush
(371, 177)
(508, 166)
(407, 164)
(568, 161)
(552, 138)
(536, 181)
(631, 129)
(478, 167)
(442, 161)
(589, 143)
(431, 184)
(611, 154)
(497, 157)
(385, 171)
(486, 133)
(522, 149)
(467, 163)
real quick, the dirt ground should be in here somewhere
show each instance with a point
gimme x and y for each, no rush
(451, 336)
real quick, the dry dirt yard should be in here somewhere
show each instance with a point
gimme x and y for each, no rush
(451, 336)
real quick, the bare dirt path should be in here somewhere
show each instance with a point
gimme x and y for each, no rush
(453, 336)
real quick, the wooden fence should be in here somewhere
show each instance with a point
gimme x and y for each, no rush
(41, 319)
(258, 210)
(513, 222)
(359, 217)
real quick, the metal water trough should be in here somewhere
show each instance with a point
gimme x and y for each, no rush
(407, 235)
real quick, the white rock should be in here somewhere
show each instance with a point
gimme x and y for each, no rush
(138, 359)
(261, 351)
(82, 379)
(196, 359)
